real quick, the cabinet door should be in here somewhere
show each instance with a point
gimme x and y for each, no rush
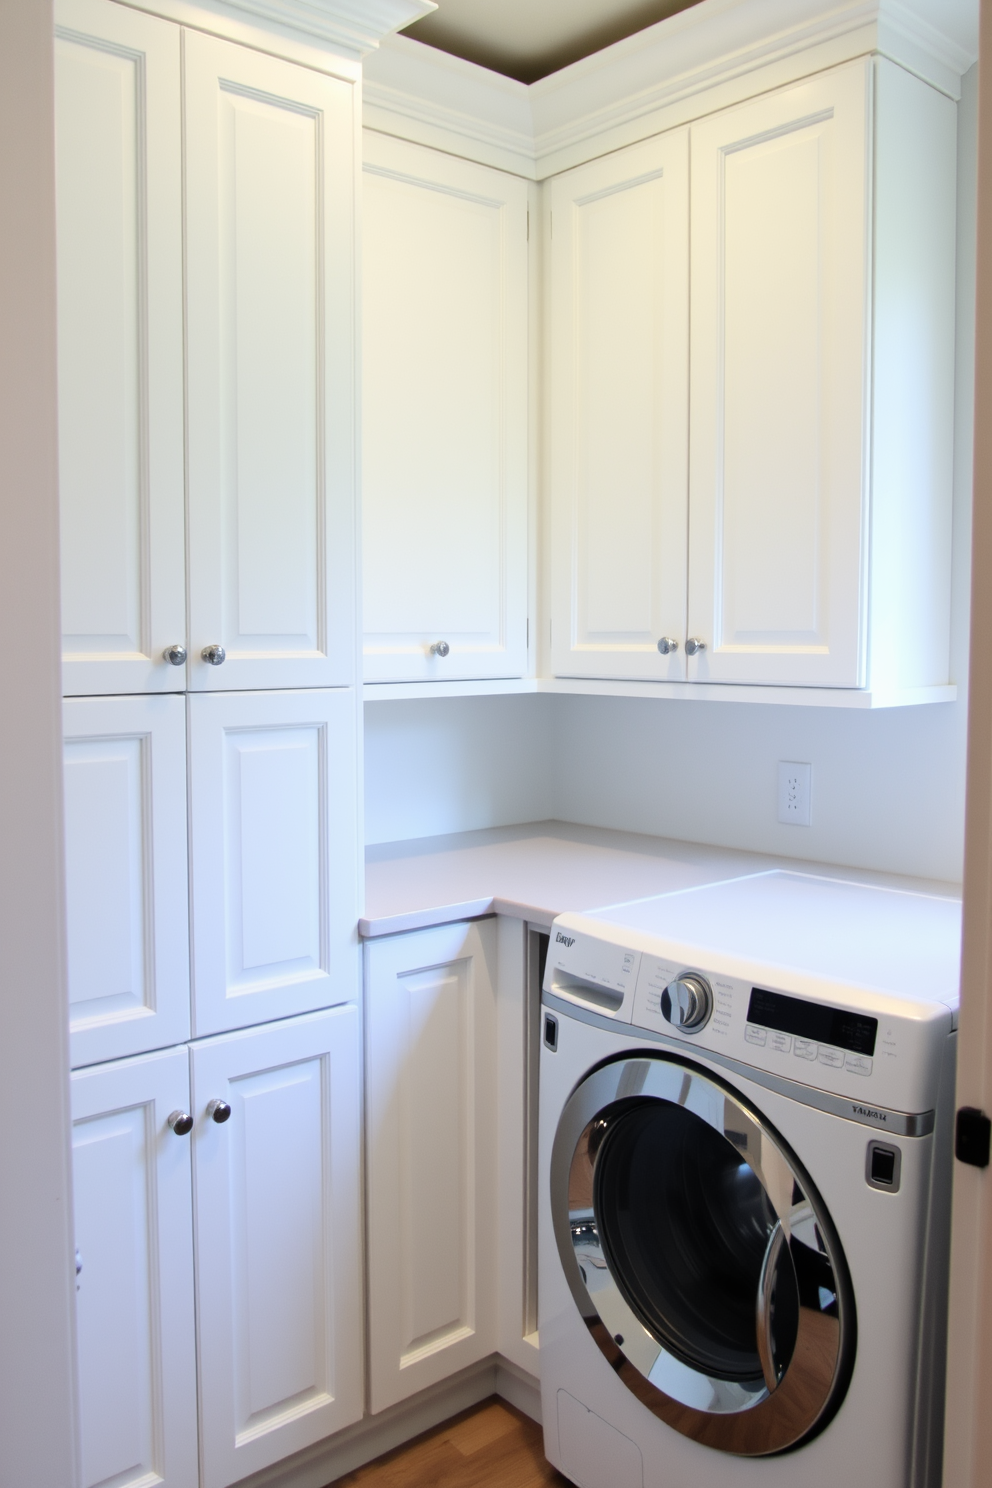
(134, 1289)
(126, 882)
(270, 284)
(431, 1146)
(120, 334)
(780, 255)
(619, 369)
(278, 1240)
(275, 858)
(445, 413)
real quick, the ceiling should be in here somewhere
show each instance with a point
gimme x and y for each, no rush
(527, 39)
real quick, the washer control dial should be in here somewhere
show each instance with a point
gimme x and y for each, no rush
(687, 1002)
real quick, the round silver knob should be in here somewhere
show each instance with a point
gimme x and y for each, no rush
(694, 644)
(687, 1002)
(218, 1111)
(667, 645)
(175, 655)
(181, 1123)
(214, 655)
(440, 648)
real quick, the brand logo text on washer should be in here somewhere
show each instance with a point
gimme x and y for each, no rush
(867, 1111)
(566, 940)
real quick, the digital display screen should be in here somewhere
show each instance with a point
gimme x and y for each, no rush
(808, 1020)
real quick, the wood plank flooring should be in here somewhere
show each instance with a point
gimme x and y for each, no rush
(490, 1446)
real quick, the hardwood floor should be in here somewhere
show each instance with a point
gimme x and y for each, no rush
(490, 1446)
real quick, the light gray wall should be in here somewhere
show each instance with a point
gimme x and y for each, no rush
(888, 786)
(37, 1415)
(451, 765)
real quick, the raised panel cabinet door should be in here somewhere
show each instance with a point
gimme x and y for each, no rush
(431, 1152)
(778, 499)
(278, 1239)
(127, 909)
(120, 347)
(445, 415)
(135, 1330)
(270, 292)
(619, 364)
(274, 854)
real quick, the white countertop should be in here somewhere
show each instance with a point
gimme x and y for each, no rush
(542, 869)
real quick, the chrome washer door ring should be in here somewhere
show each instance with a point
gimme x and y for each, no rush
(701, 1257)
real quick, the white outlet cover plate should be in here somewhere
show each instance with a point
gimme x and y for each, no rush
(795, 783)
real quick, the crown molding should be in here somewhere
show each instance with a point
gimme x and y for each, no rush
(356, 25)
(302, 30)
(648, 81)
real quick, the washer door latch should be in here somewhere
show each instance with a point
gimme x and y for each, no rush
(973, 1137)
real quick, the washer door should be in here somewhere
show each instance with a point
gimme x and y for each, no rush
(701, 1257)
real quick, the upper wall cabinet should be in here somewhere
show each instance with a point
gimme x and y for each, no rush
(445, 410)
(820, 419)
(620, 403)
(269, 462)
(120, 287)
(270, 161)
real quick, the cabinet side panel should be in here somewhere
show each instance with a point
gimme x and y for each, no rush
(913, 374)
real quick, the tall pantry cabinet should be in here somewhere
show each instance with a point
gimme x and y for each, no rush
(206, 278)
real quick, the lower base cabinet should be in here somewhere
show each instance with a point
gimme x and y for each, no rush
(134, 1285)
(278, 1239)
(274, 1159)
(431, 1153)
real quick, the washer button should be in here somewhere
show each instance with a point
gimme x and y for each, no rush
(755, 1035)
(858, 1064)
(833, 1057)
(781, 1041)
(804, 1049)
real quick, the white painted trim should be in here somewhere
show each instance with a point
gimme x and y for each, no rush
(726, 50)
(329, 1460)
(699, 692)
(352, 28)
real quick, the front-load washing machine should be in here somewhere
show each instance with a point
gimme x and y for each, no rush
(746, 1100)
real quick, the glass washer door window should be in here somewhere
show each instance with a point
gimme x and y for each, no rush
(701, 1257)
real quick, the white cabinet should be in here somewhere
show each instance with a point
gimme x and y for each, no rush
(619, 411)
(431, 1153)
(274, 854)
(270, 284)
(269, 342)
(134, 1290)
(126, 881)
(119, 198)
(445, 413)
(278, 1240)
(780, 405)
(813, 518)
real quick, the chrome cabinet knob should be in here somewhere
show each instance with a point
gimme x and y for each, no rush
(440, 648)
(181, 1122)
(175, 655)
(218, 1111)
(687, 1002)
(214, 655)
(667, 645)
(694, 644)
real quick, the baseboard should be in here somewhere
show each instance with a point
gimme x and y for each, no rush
(326, 1461)
(519, 1389)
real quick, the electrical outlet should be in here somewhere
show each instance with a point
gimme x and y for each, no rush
(794, 788)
